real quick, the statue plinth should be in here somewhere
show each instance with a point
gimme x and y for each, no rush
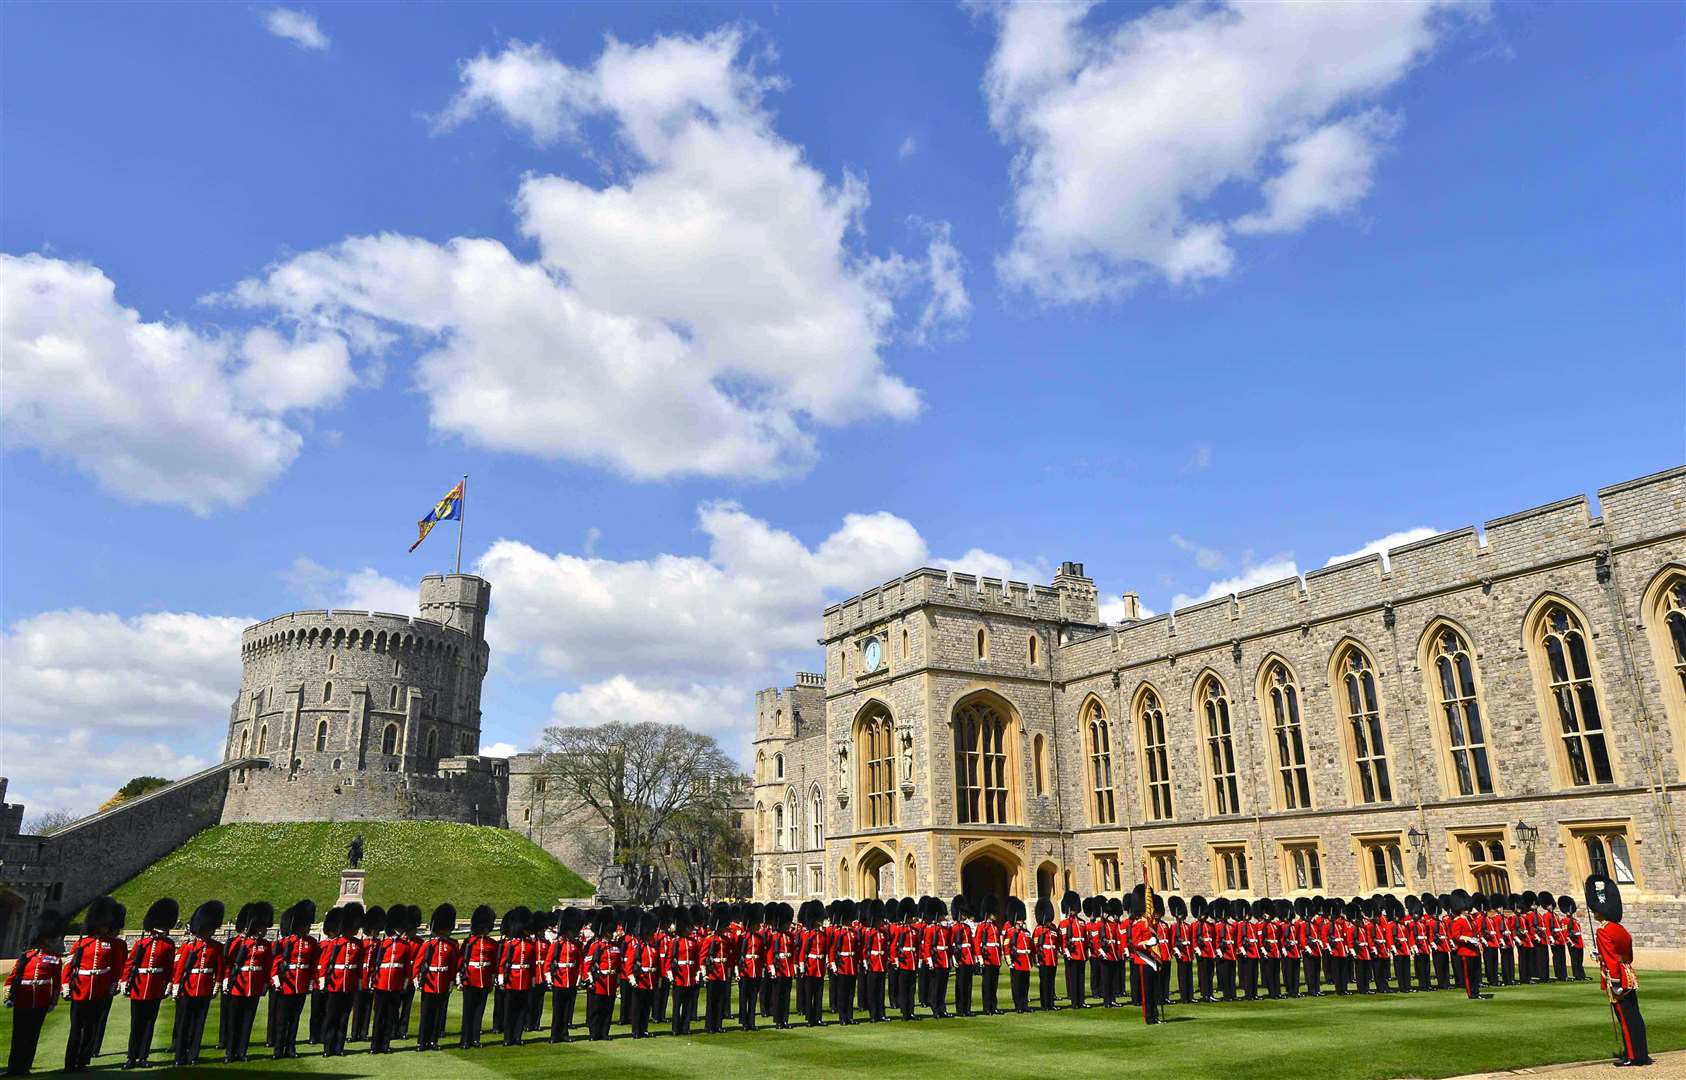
(351, 887)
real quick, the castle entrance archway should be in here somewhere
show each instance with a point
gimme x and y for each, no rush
(990, 871)
(877, 874)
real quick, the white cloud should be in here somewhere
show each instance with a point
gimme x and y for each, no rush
(94, 699)
(1126, 135)
(500, 749)
(156, 412)
(296, 26)
(1113, 611)
(1199, 459)
(908, 148)
(726, 712)
(1204, 557)
(1252, 575)
(981, 563)
(1383, 544)
(365, 589)
(717, 302)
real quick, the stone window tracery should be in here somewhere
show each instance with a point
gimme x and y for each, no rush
(1156, 757)
(1561, 648)
(981, 794)
(1282, 703)
(1452, 677)
(1220, 746)
(1098, 736)
(1361, 707)
(877, 755)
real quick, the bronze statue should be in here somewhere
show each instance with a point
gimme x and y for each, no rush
(354, 854)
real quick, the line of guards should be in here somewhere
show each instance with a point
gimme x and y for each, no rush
(880, 957)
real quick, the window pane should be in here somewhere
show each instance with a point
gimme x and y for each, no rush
(1618, 856)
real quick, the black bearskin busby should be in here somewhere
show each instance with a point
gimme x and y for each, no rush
(443, 922)
(1603, 899)
(1015, 910)
(1044, 911)
(482, 920)
(207, 918)
(304, 916)
(1071, 903)
(162, 915)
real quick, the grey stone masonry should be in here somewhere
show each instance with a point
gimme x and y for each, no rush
(1576, 766)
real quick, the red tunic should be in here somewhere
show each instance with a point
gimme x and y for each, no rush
(563, 966)
(752, 954)
(294, 968)
(198, 969)
(1615, 959)
(1019, 947)
(389, 965)
(151, 963)
(988, 937)
(603, 965)
(249, 967)
(34, 983)
(683, 956)
(1072, 938)
(1144, 944)
(519, 969)
(1464, 936)
(339, 965)
(93, 967)
(434, 965)
(1046, 942)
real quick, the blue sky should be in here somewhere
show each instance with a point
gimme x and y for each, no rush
(731, 310)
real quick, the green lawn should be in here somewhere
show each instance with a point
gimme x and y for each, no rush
(415, 862)
(1355, 1038)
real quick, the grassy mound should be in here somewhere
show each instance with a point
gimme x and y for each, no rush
(414, 862)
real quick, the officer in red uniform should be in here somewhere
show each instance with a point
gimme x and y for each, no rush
(478, 974)
(339, 973)
(1314, 943)
(198, 973)
(843, 959)
(602, 968)
(293, 975)
(246, 973)
(876, 960)
(433, 971)
(963, 953)
(1341, 937)
(32, 989)
(373, 928)
(750, 951)
(563, 968)
(1614, 947)
(1074, 947)
(987, 939)
(1466, 939)
(518, 965)
(1231, 946)
(388, 964)
(1144, 955)
(146, 978)
(1577, 944)
(904, 952)
(1437, 907)
(92, 971)
(318, 996)
(1047, 945)
(638, 972)
(1205, 933)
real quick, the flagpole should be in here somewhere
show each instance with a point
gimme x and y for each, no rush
(462, 518)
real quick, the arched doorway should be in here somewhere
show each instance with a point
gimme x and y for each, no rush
(1045, 877)
(990, 871)
(877, 874)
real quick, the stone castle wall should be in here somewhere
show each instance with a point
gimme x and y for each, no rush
(1604, 568)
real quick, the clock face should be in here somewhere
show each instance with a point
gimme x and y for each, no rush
(874, 654)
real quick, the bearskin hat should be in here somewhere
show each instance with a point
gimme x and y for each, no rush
(1197, 906)
(52, 925)
(162, 915)
(443, 921)
(1461, 902)
(1136, 901)
(1044, 911)
(332, 922)
(1603, 899)
(207, 918)
(101, 917)
(260, 918)
(1071, 903)
(1114, 907)
(682, 921)
(1015, 910)
(482, 920)
(304, 915)
(1179, 907)
(757, 914)
(990, 906)
(1566, 904)
(648, 924)
(285, 922)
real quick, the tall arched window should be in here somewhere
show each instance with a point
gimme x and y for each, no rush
(1213, 702)
(263, 738)
(980, 764)
(1665, 622)
(760, 766)
(1097, 734)
(245, 738)
(792, 821)
(1280, 692)
(389, 739)
(816, 817)
(875, 750)
(1156, 758)
(1451, 673)
(327, 691)
(778, 826)
(1561, 648)
(432, 743)
(321, 736)
(1039, 764)
(393, 698)
(1030, 650)
(778, 766)
(1361, 704)
(983, 644)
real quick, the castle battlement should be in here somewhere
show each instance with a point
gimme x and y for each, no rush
(954, 588)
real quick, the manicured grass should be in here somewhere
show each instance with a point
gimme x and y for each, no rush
(415, 862)
(1355, 1038)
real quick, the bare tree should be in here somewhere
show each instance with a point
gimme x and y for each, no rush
(655, 787)
(50, 821)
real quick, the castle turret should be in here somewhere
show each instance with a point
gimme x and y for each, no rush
(457, 600)
(1079, 602)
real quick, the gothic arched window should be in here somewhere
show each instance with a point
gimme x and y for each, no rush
(1156, 757)
(981, 746)
(1097, 734)
(1452, 681)
(1563, 658)
(1361, 705)
(875, 751)
(1213, 703)
(1280, 693)
(389, 739)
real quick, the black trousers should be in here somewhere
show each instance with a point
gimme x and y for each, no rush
(81, 1045)
(684, 1009)
(1313, 975)
(222, 1020)
(405, 1004)
(1146, 994)
(1632, 1026)
(1019, 985)
(810, 995)
(384, 1020)
(1205, 969)
(1272, 971)
(562, 1013)
(336, 1018)
(143, 1016)
(1378, 971)
(288, 1010)
(434, 1009)
(1045, 986)
(242, 1014)
(318, 1010)
(1507, 966)
(767, 994)
(781, 1001)
(1226, 979)
(473, 1015)
(599, 1010)
(1491, 957)
(1185, 981)
(514, 1017)
(1402, 973)
(26, 1036)
(1291, 976)
(872, 995)
(991, 980)
(1560, 962)
(535, 1008)
(638, 1003)
(1577, 963)
(1361, 972)
(1249, 977)
(1340, 973)
(1074, 983)
(362, 1011)
(939, 992)
(1442, 970)
(658, 1002)
(1469, 969)
(499, 999)
(749, 994)
(963, 990)
(904, 983)
(1424, 979)
(846, 998)
(717, 1002)
(190, 1028)
(272, 1022)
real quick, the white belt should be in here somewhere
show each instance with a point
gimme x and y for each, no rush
(199, 971)
(93, 971)
(148, 971)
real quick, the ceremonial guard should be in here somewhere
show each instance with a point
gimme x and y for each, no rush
(1074, 947)
(146, 978)
(478, 974)
(339, 973)
(905, 947)
(683, 970)
(1048, 946)
(938, 955)
(1270, 948)
(1442, 959)
(987, 939)
(1341, 936)
(963, 949)
(1180, 932)
(92, 971)
(784, 963)
(751, 955)
(1577, 943)
(844, 959)
(810, 987)
(32, 989)
(1614, 949)
(198, 971)
(1231, 912)
(1467, 941)
(272, 1000)
(518, 973)
(1404, 945)
(602, 967)
(1422, 941)
(1314, 942)
(1018, 951)
(389, 966)
(715, 960)
(318, 996)
(1144, 954)
(875, 959)
(246, 972)
(564, 970)
(1381, 942)
(638, 971)
(373, 927)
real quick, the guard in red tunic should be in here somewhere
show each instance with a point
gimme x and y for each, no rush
(963, 952)
(1144, 955)
(603, 973)
(1074, 947)
(389, 964)
(1466, 939)
(92, 971)
(318, 996)
(1438, 910)
(32, 989)
(433, 971)
(905, 948)
(146, 978)
(1206, 931)
(293, 975)
(246, 977)
(1251, 948)
(844, 960)
(1047, 941)
(564, 970)
(1018, 948)
(1577, 943)
(1614, 947)
(682, 970)
(198, 973)
(1560, 922)
(518, 973)
(987, 938)
(477, 975)
(1342, 936)
(716, 961)
(750, 953)
(875, 958)
(339, 974)
(373, 927)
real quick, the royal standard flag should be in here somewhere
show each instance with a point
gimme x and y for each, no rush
(448, 509)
